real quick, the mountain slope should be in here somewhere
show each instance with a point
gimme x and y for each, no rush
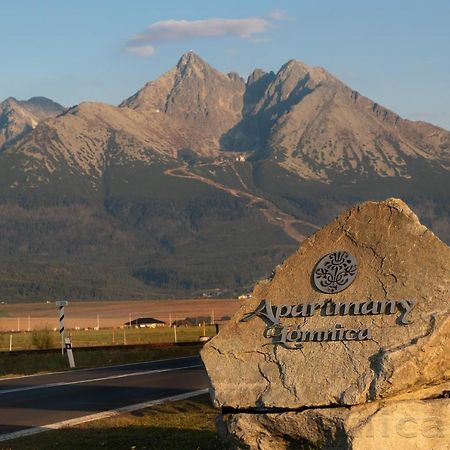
(19, 117)
(207, 100)
(304, 118)
(317, 126)
(154, 197)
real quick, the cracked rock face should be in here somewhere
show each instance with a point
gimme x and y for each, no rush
(409, 425)
(398, 260)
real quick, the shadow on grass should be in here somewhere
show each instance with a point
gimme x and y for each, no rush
(185, 425)
(18, 364)
(138, 438)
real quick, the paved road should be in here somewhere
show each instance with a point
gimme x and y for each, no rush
(41, 400)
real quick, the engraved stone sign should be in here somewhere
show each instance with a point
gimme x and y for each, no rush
(350, 326)
(334, 272)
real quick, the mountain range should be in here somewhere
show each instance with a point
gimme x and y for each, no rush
(200, 182)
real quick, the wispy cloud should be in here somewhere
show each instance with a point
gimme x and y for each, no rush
(279, 14)
(182, 30)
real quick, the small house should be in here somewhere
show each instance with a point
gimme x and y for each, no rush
(145, 322)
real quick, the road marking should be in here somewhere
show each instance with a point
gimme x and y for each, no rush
(44, 374)
(131, 364)
(91, 380)
(98, 416)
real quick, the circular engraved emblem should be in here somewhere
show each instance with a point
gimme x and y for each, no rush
(335, 272)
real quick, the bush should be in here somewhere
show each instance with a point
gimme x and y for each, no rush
(43, 338)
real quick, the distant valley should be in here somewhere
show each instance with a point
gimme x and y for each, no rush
(200, 183)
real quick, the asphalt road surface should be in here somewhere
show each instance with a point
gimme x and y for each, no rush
(37, 401)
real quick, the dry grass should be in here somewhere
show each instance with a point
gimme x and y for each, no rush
(184, 425)
(107, 336)
(26, 364)
(111, 313)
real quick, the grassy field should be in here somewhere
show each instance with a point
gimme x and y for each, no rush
(112, 336)
(15, 364)
(112, 314)
(183, 425)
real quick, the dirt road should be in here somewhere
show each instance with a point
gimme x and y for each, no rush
(273, 214)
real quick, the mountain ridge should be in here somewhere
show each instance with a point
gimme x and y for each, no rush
(297, 115)
(289, 98)
(202, 182)
(17, 117)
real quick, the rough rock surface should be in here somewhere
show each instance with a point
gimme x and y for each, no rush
(398, 259)
(197, 95)
(17, 117)
(412, 425)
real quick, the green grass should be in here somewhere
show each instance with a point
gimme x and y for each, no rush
(26, 364)
(110, 336)
(184, 425)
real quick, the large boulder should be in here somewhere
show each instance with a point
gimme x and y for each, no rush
(410, 424)
(360, 313)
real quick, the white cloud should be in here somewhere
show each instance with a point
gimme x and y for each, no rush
(182, 30)
(145, 51)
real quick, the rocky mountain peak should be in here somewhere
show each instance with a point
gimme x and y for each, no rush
(255, 76)
(45, 105)
(235, 77)
(320, 126)
(155, 187)
(295, 64)
(191, 66)
(190, 59)
(208, 101)
(298, 70)
(8, 101)
(39, 105)
(18, 117)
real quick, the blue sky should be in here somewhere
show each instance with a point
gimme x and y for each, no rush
(395, 52)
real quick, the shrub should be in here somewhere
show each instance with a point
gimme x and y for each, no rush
(43, 338)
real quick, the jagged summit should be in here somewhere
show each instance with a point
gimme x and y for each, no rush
(295, 63)
(205, 99)
(149, 182)
(255, 76)
(18, 117)
(303, 117)
(191, 59)
(234, 76)
(9, 100)
(190, 64)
